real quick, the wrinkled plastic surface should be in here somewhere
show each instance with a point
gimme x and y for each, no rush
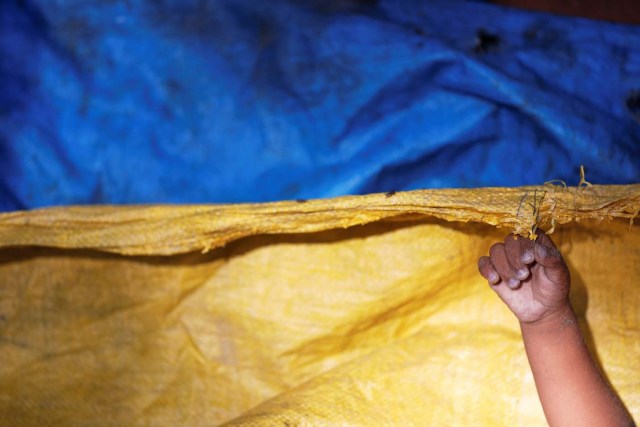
(228, 101)
(364, 310)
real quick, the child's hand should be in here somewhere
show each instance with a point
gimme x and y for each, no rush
(530, 277)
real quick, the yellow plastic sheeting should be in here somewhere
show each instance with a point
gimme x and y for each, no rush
(316, 313)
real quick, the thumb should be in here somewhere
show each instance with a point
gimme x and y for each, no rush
(548, 256)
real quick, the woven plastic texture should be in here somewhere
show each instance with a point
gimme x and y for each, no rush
(354, 311)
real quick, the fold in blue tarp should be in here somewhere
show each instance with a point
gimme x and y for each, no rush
(185, 101)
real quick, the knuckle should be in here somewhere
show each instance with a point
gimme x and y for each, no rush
(510, 239)
(496, 249)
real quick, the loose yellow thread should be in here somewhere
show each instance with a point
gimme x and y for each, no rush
(536, 211)
(520, 204)
(553, 208)
(583, 181)
(553, 181)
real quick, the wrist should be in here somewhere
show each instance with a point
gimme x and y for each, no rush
(556, 321)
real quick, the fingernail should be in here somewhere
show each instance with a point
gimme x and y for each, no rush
(513, 283)
(522, 274)
(542, 252)
(493, 278)
(527, 257)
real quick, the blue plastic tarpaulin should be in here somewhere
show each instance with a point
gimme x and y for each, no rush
(186, 101)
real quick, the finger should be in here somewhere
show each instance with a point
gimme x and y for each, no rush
(546, 252)
(487, 270)
(548, 256)
(519, 249)
(501, 265)
(528, 251)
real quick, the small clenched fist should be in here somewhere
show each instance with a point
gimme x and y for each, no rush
(531, 277)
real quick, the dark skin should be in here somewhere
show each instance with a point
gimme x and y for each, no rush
(532, 279)
(535, 269)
